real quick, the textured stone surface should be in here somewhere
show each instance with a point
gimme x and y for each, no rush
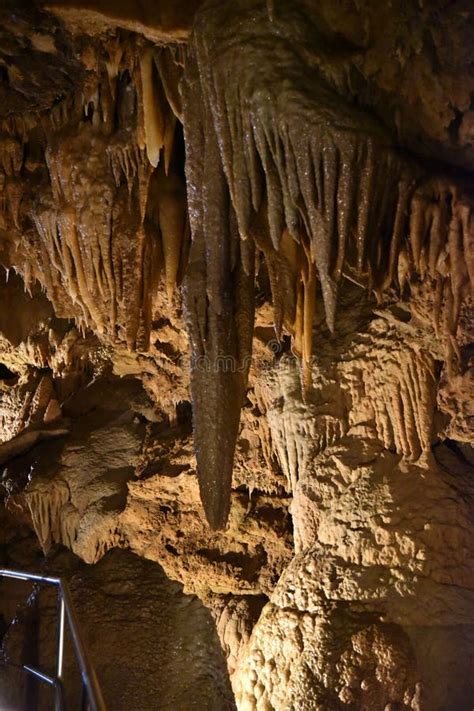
(160, 22)
(382, 575)
(326, 143)
(147, 640)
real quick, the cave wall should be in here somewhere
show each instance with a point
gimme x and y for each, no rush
(236, 336)
(156, 647)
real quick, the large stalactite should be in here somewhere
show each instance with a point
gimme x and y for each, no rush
(279, 160)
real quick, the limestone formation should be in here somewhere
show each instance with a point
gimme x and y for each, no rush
(236, 267)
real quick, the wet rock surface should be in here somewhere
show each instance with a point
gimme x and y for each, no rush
(236, 345)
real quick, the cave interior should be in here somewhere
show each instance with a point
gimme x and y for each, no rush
(237, 352)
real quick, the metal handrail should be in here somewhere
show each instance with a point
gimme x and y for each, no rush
(90, 685)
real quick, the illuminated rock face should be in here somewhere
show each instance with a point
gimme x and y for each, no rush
(235, 326)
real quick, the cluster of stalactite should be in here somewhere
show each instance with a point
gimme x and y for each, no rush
(55, 519)
(395, 387)
(34, 405)
(45, 505)
(114, 215)
(279, 164)
(280, 170)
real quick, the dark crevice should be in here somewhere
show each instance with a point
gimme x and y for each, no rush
(455, 125)
(7, 375)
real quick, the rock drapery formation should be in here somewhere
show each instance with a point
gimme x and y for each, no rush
(320, 189)
(235, 326)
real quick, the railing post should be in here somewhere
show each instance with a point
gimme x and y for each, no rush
(84, 700)
(60, 651)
